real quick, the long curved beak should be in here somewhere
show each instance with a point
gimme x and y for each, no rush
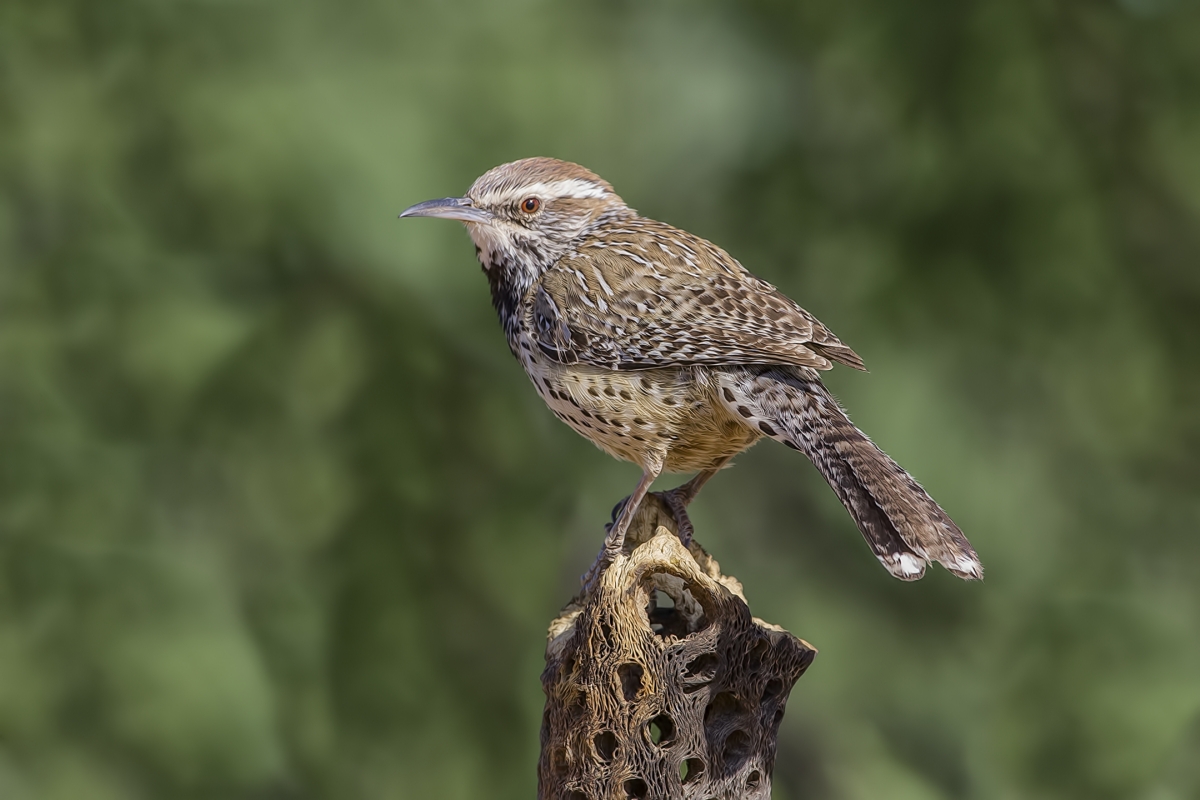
(459, 208)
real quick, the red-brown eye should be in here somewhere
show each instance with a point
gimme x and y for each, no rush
(530, 205)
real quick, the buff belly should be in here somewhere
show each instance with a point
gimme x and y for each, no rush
(670, 416)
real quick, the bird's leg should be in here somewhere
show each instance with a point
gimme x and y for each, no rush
(615, 538)
(677, 500)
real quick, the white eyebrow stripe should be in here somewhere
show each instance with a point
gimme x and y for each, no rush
(574, 188)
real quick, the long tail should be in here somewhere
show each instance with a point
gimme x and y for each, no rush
(902, 524)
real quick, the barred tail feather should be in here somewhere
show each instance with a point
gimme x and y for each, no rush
(902, 524)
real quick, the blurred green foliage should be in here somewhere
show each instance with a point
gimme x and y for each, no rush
(281, 518)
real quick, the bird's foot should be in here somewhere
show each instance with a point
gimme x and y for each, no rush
(616, 514)
(614, 541)
(591, 581)
(677, 500)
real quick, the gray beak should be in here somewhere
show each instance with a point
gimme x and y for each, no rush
(458, 208)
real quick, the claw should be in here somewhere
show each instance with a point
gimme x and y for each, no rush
(614, 538)
(678, 506)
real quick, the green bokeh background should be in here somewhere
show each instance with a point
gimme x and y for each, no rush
(281, 518)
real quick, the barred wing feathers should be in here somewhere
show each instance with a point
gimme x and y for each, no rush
(648, 295)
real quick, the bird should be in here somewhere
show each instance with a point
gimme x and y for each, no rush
(664, 351)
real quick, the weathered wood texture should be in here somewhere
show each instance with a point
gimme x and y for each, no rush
(661, 685)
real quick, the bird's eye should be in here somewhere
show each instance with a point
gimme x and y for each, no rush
(530, 205)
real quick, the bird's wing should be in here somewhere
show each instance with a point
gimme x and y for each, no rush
(639, 302)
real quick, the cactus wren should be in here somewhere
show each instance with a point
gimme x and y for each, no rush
(663, 350)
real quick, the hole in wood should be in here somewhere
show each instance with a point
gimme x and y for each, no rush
(664, 620)
(722, 710)
(691, 770)
(605, 744)
(736, 751)
(575, 794)
(662, 730)
(636, 788)
(672, 609)
(753, 780)
(758, 653)
(631, 680)
(701, 669)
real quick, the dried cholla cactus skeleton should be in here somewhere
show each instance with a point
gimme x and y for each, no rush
(660, 684)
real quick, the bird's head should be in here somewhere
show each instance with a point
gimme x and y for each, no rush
(527, 213)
